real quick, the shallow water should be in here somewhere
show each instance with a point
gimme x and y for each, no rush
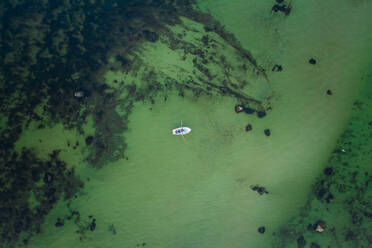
(195, 192)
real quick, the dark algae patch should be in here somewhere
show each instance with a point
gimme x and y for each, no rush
(23, 175)
(53, 57)
(339, 211)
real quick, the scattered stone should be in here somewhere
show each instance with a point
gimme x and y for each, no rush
(267, 132)
(301, 242)
(282, 8)
(260, 190)
(312, 61)
(239, 108)
(329, 92)
(93, 225)
(261, 229)
(89, 140)
(261, 114)
(249, 110)
(248, 128)
(277, 68)
(59, 222)
(78, 94)
(275, 8)
(328, 171)
(314, 245)
(320, 226)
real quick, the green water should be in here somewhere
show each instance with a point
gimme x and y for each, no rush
(195, 192)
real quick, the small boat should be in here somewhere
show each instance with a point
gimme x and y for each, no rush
(181, 130)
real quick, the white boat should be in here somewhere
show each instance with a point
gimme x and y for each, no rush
(181, 130)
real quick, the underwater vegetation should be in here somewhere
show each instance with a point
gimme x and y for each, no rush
(55, 54)
(339, 210)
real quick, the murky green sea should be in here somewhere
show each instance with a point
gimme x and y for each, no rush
(143, 186)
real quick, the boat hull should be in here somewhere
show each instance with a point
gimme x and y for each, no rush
(181, 131)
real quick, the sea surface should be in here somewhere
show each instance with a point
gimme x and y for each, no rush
(153, 189)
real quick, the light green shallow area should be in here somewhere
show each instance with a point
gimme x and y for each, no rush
(194, 192)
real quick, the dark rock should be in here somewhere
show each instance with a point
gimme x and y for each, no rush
(261, 229)
(261, 114)
(329, 92)
(267, 132)
(89, 140)
(255, 188)
(249, 110)
(93, 225)
(262, 190)
(301, 242)
(277, 68)
(314, 245)
(279, 1)
(239, 108)
(248, 128)
(287, 10)
(59, 222)
(328, 171)
(312, 61)
(275, 8)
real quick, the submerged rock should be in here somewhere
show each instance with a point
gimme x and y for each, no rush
(59, 222)
(93, 225)
(314, 245)
(277, 68)
(328, 171)
(301, 242)
(249, 110)
(312, 61)
(239, 108)
(329, 92)
(260, 190)
(267, 132)
(261, 114)
(261, 229)
(89, 140)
